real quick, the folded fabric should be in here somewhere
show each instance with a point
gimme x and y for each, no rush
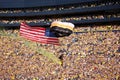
(38, 34)
(61, 29)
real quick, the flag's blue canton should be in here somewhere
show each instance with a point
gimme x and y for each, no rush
(48, 33)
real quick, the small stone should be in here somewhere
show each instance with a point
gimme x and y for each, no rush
(68, 45)
(118, 50)
(54, 72)
(69, 53)
(75, 40)
(100, 52)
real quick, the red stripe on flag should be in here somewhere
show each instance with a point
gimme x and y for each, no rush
(27, 26)
(41, 41)
(38, 37)
(33, 28)
(32, 32)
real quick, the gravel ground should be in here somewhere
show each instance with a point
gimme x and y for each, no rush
(85, 56)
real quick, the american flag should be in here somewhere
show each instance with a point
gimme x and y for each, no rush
(38, 34)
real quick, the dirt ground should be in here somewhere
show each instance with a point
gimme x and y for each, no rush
(84, 56)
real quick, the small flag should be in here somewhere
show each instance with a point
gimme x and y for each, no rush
(38, 34)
